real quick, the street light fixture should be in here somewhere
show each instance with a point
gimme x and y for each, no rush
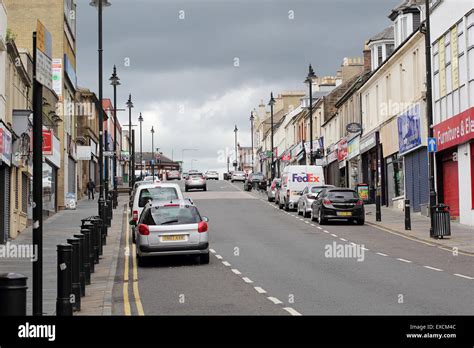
(271, 103)
(115, 81)
(309, 81)
(252, 118)
(152, 152)
(140, 119)
(130, 106)
(236, 161)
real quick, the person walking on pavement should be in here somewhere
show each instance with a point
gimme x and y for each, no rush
(90, 188)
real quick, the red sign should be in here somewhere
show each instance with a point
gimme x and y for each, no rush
(342, 150)
(286, 157)
(47, 142)
(455, 130)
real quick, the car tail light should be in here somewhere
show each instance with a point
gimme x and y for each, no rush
(360, 202)
(202, 226)
(135, 215)
(327, 202)
(143, 230)
(171, 205)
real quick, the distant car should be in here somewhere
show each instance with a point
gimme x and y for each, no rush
(271, 190)
(195, 181)
(151, 179)
(338, 204)
(238, 176)
(212, 175)
(255, 179)
(227, 175)
(307, 198)
(171, 228)
(173, 175)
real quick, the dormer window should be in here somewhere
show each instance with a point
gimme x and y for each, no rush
(381, 47)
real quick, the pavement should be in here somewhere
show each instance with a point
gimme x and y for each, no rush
(56, 230)
(461, 239)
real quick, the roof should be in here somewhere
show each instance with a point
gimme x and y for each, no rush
(406, 6)
(386, 34)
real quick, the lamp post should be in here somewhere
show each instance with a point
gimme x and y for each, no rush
(100, 4)
(236, 162)
(130, 106)
(115, 81)
(140, 119)
(153, 153)
(271, 103)
(252, 118)
(309, 80)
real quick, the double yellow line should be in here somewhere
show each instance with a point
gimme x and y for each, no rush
(126, 275)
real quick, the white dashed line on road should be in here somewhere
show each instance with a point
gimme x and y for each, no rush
(313, 225)
(403, 260)
(212, 251)
(260, 290)
(334, 235)
(218, 256)
(381, 254)
(306, 222)
(344, 240)
(292, 311)
(247, 280)
(463, 276)
(320, 228)
(225, 263)
(236, 271)
(434, 269)
(274, 300)
(326, 231)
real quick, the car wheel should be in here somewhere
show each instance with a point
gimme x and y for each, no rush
(186, 189)
(313, 218)
(134, 240)
(298, 210)
(305, 213)
(321, 219)
(287, 206)
(141, 261)
(269, 199)
(232, 181)
(360, 222)
(205, 188)
(280, 205)
(204, 259)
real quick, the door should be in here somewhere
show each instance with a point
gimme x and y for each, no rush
(451, 185)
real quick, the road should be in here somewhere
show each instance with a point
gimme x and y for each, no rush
(270, 262)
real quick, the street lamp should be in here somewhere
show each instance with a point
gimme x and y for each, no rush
(101, 203)
(309, 81)
(252, 118)
(130, 106)
(271, 103)
(140, 119)
(153, 153)
(115, 81)
(235, 163)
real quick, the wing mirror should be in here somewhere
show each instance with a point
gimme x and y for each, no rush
(132, 223)
(205, 219)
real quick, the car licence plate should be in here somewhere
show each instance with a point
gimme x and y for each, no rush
(344, 213)
(173, 238)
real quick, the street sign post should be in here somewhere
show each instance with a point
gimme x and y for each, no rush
(432, 145)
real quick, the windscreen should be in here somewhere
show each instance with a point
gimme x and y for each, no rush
(172, 215)
(157, 194)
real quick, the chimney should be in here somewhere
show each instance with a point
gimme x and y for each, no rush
(338, 77)
(367, 59)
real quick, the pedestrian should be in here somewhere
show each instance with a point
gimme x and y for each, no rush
(90, 188)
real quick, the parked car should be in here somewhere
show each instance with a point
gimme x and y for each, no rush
(338, 204)
(257, 179)
(294, 179)
(151, 192)
(271, 190)
(195, 181)
(307, 198)
(212, 175)
(173, 175)
(238, 176)
(228, 175)
(171, 228)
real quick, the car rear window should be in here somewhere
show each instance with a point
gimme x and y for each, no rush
(172, 215)
(157, 194)
(346, 194)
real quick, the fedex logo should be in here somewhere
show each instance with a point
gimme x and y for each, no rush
(305, 178)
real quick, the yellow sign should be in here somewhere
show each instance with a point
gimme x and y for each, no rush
(454, 58)
(43, 39)
(442, 68)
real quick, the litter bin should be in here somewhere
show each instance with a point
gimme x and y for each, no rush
(441, 221)
(12, 294)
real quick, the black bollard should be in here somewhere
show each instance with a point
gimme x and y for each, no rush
(13, 294)
(76, 285)
(87, 255)
(82, 271)
(378, 204)
(63, 301)
(407, 215)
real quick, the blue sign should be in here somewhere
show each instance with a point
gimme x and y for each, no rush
(70, 72)
(152, 162)
(409, 130)
(432, 145)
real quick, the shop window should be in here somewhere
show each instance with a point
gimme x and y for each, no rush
(395, 177)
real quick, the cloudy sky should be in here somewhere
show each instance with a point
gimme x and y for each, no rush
(178, 60)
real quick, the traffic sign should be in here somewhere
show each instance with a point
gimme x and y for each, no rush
(432, 145)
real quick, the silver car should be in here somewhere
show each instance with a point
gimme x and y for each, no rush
(171, 228)
(238, 176)
(308, 195)
(212, 175)
(195, 181)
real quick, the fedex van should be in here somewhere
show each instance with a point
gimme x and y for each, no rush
(295, 179)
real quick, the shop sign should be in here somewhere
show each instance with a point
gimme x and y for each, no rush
(47, 142)
(55, 157)
(332, 157)
(84, 153)
(5, 145)
(455, 130)
(363, 191)
(354, 127)
(353, 147)
(409, 130)
(342, 149)
(286, 157)
(297, 150)
(368, 142)
(307, 146)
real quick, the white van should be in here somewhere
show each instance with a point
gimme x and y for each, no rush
(295, 179)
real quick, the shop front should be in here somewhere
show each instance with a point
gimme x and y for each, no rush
(332, 168)
(455, 165)
(370, 152)
(341, 158)
(50, 174)
(5, 177)
(353, 162)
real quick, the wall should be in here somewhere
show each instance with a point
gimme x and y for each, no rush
(3, 57)
(466, 214)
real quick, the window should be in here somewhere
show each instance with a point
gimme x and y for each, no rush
(379, 56)
(157, 194)
(395, 177)
(389, 48)
(24, 193)
(172, 215)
